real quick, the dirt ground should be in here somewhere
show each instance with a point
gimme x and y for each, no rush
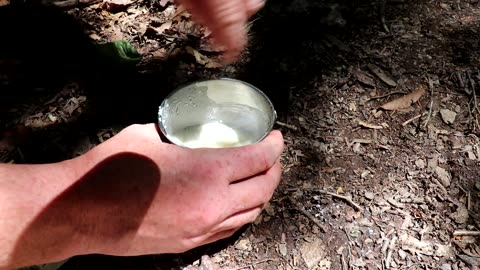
(378, 107)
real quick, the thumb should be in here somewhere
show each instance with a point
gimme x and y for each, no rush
(246, 161)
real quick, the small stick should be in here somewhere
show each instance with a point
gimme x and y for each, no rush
(349, 200)
(430, 85)
(286, 125)
(429, 114)
(469, 201)
(466, 233)
(386, 95)
(411, 119)
(344, 263)
(308, 215)
(250, 266)
(388, 258)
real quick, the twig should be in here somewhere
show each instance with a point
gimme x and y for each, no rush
(308, 215)
(349, 200)
(466, 233)
(411, 119)
(429, 114)
(286, 125)
(250, 266)
(386, 95)
(475, 104)
(388, 258)
(344, 263)
(430, 85)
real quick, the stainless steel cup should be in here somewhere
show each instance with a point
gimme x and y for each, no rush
(216, 113)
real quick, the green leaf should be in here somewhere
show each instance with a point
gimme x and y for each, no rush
(120, 52)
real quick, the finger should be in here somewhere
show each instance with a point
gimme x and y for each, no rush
(226, 19)
(255, 191)
(253, 6)
(247, 161)
(239, 219)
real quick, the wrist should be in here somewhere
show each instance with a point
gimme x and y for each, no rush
(27, 195)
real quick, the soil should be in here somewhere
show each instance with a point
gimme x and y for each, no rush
(365, 186)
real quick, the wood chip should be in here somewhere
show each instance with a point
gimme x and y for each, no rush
(368, 125)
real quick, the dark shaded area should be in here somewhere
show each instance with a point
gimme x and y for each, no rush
(109, 201)
(292, 46)
(42, 49)
(157, 262)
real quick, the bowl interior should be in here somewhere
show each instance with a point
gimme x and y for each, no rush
(216, 113)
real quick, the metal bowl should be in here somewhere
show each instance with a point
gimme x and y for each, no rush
(216, 113)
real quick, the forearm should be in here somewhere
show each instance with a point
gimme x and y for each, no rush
(27, 236)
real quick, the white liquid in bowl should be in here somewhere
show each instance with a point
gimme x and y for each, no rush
(211, 135)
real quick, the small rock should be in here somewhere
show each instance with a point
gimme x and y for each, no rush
(477, 185)
(369, 195)
(469, 150)
(420, 163)
(432, 162)
(269, 209)
(448, 116)
(445, 6)
(446, 266)
(207, 264)
(402, 254)
(282, 248)
(312, 252)
(244, 244)
(444, 251)
(461, 215)
(443, 176)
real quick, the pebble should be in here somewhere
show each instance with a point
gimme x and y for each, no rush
(402, 254)
(443, 176)
(448, 116)
(369, 195)
(244, 244)
(445, 266)
(313, 252)
(420, 163)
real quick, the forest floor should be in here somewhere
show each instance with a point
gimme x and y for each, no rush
(380, 119)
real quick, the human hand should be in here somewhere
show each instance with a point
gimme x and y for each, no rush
(133, 195)
(227, 19)
(162, 198)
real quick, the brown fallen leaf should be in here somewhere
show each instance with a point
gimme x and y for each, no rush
(406, 101)
(164, 27)
(363, 78)
(382, 75)
(202, 59)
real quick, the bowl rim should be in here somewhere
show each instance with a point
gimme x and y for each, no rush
(184, 85)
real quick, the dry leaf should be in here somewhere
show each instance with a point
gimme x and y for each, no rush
(363, 78)
(213, 64)
(163, 3)
(200, 58)
(159, 30)
(164, 27)
(405, 101)
(382, 75)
